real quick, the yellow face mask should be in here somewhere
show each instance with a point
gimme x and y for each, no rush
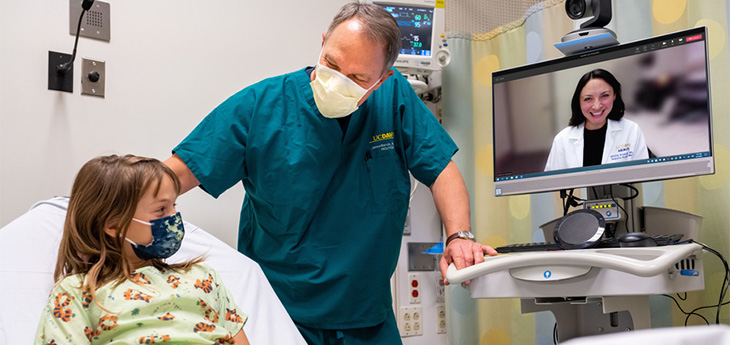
(335, 94)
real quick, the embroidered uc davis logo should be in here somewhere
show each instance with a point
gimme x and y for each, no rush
(381, 137)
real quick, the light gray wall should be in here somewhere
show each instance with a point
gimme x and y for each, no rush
(168, 64)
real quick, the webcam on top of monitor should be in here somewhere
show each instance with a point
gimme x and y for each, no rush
(591, 35)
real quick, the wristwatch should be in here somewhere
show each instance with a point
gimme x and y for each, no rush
(464, 234)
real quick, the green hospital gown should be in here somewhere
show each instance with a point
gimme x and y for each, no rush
(158, 306)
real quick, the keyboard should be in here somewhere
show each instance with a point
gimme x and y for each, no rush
(661, 240)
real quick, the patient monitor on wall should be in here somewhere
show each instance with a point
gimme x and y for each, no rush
(424, 49)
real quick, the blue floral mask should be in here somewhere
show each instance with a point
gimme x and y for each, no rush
(167, 234)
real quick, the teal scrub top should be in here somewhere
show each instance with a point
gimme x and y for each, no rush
(323, 212)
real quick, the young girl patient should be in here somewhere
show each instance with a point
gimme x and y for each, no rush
(112, 283)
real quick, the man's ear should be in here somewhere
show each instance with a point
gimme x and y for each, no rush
(386, 76)
(383, 79)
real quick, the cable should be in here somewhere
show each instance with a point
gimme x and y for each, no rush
(566, 202)
(634, 189)
(413, 191)
(569, 200)
(633, 196)
(64, 67)
(725, 282)
(595, 193)
(686, 313)
(555, 334)
(723, 290)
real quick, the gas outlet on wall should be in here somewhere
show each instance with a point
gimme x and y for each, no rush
(93, 77)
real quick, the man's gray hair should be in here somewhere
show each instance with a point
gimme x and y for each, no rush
(379, 25)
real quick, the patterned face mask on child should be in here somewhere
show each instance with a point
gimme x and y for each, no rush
(167, 234)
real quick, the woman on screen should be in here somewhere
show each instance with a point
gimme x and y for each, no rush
(597, 132)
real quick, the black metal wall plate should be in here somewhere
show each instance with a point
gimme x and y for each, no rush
(56, 81)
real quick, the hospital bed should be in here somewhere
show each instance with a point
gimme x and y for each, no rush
(28, 250)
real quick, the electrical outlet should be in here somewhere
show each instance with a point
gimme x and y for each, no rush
(441, 319)
(440, 293)
(410, 321)
(414, 283)
(93, 77)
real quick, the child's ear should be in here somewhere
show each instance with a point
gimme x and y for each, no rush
(111, 228)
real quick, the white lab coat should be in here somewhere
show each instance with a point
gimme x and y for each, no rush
(624, 142)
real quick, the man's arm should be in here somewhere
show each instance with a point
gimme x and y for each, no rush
(452, 203)
(188, 181)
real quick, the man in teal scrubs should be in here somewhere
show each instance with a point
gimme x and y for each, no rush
(324, 155)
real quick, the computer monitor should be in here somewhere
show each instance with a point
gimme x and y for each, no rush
(421, 23)
(665, 89)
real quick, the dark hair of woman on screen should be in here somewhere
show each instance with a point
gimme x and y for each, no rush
(597, 98)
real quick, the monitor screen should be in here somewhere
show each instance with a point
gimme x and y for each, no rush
(634, 112)
(416, 27)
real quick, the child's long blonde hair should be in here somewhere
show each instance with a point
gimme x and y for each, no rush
(106, 191)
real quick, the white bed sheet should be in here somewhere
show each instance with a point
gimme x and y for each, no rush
(692, 335)
(28, 250)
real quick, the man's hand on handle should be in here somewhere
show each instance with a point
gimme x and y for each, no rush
(463, 253)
